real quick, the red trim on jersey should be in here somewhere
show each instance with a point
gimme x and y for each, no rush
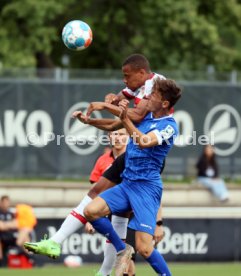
(126, 94)
(171, 111)
(79, 217)
(151, 76)
(136, 101)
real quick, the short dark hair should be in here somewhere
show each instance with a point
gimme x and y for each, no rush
(4, 197)
(169, 90)
(137, 62)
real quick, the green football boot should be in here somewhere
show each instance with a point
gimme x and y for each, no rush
(99, 274)
(44, 247)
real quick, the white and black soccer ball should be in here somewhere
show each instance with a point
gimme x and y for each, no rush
(77, 35)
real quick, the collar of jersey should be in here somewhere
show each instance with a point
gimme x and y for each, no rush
(161, 118)
(152, 74)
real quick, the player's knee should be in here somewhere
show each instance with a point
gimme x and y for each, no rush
(89, 213)
(144, 250)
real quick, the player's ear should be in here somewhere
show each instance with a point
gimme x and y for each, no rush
(165, 104)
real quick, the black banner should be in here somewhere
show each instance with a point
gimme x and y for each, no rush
(186, 240)
(38, 138)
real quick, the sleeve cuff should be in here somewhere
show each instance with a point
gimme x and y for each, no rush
(158, 136)
(125, 93)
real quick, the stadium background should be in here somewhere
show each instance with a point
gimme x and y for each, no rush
(196, 43)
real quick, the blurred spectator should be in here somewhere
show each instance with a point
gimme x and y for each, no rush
(7, 237)
(15, 229)
(208, 174)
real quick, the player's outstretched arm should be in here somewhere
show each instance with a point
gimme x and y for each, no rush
(104, 124)
(136, 114)
(115, 110)
(114, 98)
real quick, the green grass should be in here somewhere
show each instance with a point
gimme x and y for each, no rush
(227, 269)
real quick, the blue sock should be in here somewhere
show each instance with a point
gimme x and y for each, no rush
(158, 263)
(104, 227)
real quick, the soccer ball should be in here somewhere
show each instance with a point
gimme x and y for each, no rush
(77, 35)
(73, 261)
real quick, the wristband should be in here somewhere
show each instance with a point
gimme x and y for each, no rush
(159, 222)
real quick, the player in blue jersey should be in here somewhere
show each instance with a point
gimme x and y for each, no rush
(139, 80)
(141, 188)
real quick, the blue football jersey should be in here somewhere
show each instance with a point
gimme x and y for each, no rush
(144, 165)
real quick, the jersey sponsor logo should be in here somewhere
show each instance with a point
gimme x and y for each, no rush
(225, 123)
(86, 136)
(145, 225)
(167, 132)
(153, 125)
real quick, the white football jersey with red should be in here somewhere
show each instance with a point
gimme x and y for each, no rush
(143, 91)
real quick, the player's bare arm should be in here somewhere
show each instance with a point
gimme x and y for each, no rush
(114, 98)
(138, 113)
(104, 124)
(159, 231)
(135, 114)
(115, 110)
(143, 140)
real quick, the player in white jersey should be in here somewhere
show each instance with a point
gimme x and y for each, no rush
(139, 80)
(142, 92)
(135, 67)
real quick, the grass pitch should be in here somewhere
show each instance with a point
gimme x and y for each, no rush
(230, 269)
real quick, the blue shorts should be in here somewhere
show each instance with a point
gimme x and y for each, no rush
(143, 198)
